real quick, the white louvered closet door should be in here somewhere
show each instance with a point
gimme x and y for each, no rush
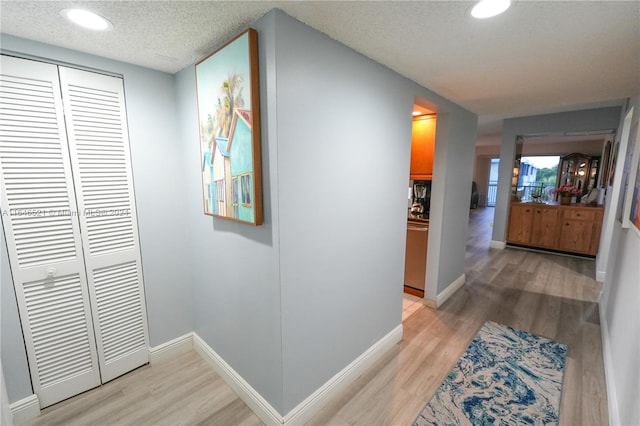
(101, 163)
(42, 231)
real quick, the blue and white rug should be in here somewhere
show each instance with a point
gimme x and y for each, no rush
(505, 377)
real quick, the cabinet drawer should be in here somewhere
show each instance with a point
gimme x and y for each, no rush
(581, 214)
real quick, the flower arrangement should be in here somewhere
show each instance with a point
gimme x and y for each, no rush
(567, 191)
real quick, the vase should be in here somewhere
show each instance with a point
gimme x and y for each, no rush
(565, 200)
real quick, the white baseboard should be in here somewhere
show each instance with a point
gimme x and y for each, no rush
(245, 391)
(601, 270)
(430, 303)
(26, 409)
(452, 288)
(29, 408)
(171, 348)
(612, 399)
(500, 245)
(310, 406)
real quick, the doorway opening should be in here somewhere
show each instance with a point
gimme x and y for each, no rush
(492, 189)
(423, 137)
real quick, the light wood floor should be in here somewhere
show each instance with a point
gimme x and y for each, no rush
(549, 295)
(182, 391)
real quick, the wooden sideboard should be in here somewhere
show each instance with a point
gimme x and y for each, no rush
(571, 229)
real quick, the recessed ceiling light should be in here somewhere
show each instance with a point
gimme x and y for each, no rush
(488, 8)
(87, 19)
(416, 113)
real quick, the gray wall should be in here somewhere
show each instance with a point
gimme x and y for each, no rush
(573, 121)
(5, 409)
(344, 137)
(589, 147)
(235, 267)
(621, 315)
(326, 268)
(13, 354)
(451, 192)
(156, 156)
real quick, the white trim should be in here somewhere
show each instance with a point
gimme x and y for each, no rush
(451, 288)
(314, 402)
(612, 399)
(172, 348)
(500, 245)
(601, 270)
(245, 391)
(26, 409)
(628, 197)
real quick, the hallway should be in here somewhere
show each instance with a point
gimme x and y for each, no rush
(550, 295)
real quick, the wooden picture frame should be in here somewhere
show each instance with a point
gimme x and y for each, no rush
(612, 163)
(604, 166)
(229, 128)
(631, 185)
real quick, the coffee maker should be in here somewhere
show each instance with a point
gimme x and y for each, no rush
(421, 198)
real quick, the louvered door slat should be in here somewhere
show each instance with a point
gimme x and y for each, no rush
(99, 145)
(43, 234)
(87, 103)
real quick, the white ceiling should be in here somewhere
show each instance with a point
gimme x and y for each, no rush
(538, 57)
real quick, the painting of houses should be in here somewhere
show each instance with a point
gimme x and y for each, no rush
(228, 111)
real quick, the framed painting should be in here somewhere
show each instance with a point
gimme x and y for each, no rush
(631, 189)
(612, 163)
(229, 124)
(634, 210)
(604, 166)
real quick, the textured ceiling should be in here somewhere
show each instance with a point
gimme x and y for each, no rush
(538, 57)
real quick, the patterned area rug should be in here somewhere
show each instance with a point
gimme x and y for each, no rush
(505, 377)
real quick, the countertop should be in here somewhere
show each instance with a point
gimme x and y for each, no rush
(556, 204)
(418, 219)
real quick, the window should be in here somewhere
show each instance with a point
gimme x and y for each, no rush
(538, 176)
(220, 196)
(234, 199)
(245, 183)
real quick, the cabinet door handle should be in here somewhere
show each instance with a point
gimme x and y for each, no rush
(527, 211)
(566, 224)
(578, 214)
(537, 211)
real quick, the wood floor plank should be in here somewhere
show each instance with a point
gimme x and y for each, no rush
(546, 294)
(182, 391)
